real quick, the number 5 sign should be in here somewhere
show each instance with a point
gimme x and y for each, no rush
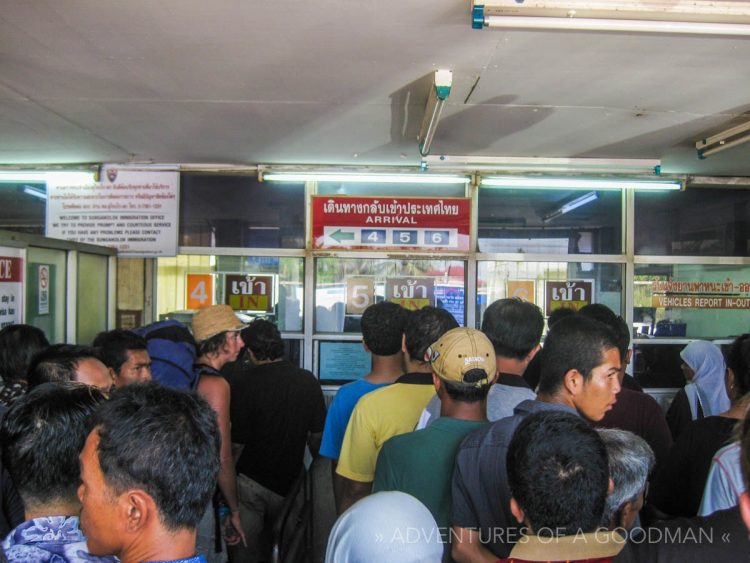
(199, 291)
(360, 294)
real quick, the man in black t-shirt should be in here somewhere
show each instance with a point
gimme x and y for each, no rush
(276, 410)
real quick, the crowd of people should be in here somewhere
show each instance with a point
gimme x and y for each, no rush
(457, 445)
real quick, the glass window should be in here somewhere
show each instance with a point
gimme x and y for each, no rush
(696, 222)
(691, 300)
(91, 307)
(23, 206)
(658, 365)
(240, 211)
(549, 284)
(345, 287)
(266, 286)
(342, 361)
(52, 322)
(550, 221)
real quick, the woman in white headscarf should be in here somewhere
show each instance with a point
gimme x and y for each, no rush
(388, 526)
(679, 485)
(705, 393)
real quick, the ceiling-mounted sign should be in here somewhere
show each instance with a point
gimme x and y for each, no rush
(393, 223)
(11, 286)
(249, 292)
(132, 210)
(410, 293)
(572, 294)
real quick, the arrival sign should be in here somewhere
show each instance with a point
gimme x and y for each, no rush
(391, 223)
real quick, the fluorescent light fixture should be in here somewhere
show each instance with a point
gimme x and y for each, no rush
(542, 164)
(36, 192)
(365, 178)
(578, 183)
(571, 205)
(732, 137)
(632, 26)
(57, 177)
(701, 17)
(441, 89)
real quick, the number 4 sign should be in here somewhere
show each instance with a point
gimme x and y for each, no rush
(199, 290)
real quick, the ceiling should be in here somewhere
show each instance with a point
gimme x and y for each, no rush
(346, 81)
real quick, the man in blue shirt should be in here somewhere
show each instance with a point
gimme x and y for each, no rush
(382, 333)
(148, 470)
(42, 435)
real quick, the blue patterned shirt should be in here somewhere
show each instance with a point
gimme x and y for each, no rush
(50, 539)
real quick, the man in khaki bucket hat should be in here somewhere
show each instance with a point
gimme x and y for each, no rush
(217, 331)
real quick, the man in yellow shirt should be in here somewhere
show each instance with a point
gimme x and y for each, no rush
(392, 410)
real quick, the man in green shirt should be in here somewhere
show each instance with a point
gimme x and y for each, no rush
(421, 463)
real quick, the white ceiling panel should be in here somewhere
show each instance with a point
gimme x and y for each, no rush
(346, 82)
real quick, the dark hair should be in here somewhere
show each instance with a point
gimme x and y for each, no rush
(513, 326)
(58, 363)
(619, 327)
(738, 360)
(558, 473)
(212, 345)
(745, 450)
(382, 327)
(424, 327)
(575, 342)
(165, 442)
(18, 346)
(263, 339)
(467, 393)
(42, 435)
(113, 346)
(559, 314)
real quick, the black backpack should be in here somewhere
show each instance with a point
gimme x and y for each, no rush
(173, 353)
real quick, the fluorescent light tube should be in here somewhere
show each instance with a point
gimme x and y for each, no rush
(36, 192)
(577, 183)
(634, 26)
(570, 206)
(441, 89)
(579, 202)
(724, 140)
(518, 164)
(72, 177)
(365, 178)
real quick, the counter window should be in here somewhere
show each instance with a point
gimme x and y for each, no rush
(691, 300)
(549, 285)
(240, 211)
(345, 287)
(255, 286)
(550, 221)
(696, 222)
